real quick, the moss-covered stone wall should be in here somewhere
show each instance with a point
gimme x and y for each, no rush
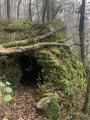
(67, 71)
(59, 65)
(61, 69)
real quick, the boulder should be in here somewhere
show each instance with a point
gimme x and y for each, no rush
(49, 108)
(43, 103)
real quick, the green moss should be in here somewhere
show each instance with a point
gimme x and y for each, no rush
(63, 40)
(55, 24)
(62, 49)
(37, 25)
(70, 67)
(48, 63)
(56, 51)
(70, 51)
(16, 43)
(54, 96)
(2, 34)
(21, 48)
(20, 25)
(81, 84)
(68, 76)
(77, 64)
(48, 94)
(52, 111)
(60, 34)
(36, 46)
(63, 69)
(61, 72)
(62, 84)
(42, 54)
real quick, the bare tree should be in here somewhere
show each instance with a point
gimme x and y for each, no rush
(19, 2)
(8, 9)
(30, 10)
(53, 9)
(81, 31)
(46, 8)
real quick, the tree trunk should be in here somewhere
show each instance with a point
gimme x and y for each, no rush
(81, 31)
(44, 10)
(8, 10)
(81, 35)
(37, 7)
(18, 8)
(48, 11)
(17, 49)
(53, 9)
(30, 11)
(85, 107)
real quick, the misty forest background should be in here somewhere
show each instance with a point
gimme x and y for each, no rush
(69, 12)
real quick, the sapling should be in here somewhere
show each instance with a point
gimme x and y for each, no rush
(5, 96)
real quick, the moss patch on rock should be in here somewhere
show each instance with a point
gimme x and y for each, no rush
(61, 35)
(49, 108)
(56, 51)
(54, 96)
(20, 25)
(24, 29)
(52, 111)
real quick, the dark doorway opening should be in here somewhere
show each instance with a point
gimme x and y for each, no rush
(31, 71)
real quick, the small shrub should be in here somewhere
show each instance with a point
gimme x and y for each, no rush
(5, 96)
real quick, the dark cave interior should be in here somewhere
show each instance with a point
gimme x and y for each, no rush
(31, 71)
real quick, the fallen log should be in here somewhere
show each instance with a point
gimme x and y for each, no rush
(33, 40)
(15, 50)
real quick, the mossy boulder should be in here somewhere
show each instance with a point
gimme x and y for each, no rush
(19, 25)
(61, 35)
(49, 107)
(23, 29)
(52, 111)
(54, 96)
(66, 69)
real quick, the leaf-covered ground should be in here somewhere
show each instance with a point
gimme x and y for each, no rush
(23, 106)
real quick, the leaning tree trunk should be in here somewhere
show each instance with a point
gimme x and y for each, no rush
(18, 8)
(81, 31)
(8, 10)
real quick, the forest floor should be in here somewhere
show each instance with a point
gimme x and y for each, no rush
(23, 106)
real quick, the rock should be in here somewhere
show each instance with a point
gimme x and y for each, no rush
(52, 111)
(54, 96)
(49, 108)
(43, 102)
